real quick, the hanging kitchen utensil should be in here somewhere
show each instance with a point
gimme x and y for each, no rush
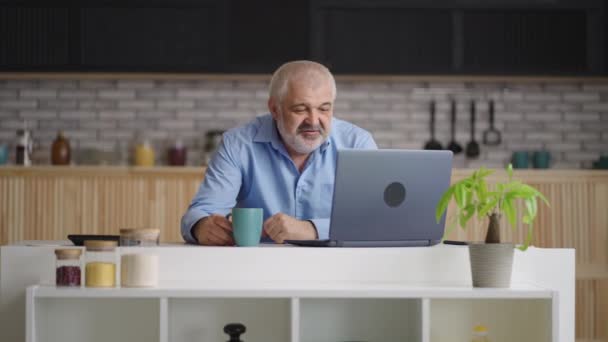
(453, 145)
(432, 144)
(491, 136)
(472, 150)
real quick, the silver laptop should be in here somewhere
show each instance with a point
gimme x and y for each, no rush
(387, 198)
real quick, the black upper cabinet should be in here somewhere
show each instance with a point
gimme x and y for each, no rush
(509, 37)
(34, 37)
(356, 40)
(177, 36)
(263, 34)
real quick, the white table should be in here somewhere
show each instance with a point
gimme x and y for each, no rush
(293, 294)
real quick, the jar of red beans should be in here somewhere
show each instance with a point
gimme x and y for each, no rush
(68, 270)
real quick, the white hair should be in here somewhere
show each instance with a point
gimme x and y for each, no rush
(289, 71)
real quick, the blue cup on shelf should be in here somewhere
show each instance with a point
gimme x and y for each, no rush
(3, 154)
(520, 159)
(541, 159)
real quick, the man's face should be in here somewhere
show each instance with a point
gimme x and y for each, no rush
(304, 115)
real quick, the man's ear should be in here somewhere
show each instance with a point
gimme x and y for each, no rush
(273, 107)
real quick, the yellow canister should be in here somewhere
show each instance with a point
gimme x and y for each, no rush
(144, 154)
(101, 260)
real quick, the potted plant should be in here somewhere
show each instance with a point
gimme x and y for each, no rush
(492, 261)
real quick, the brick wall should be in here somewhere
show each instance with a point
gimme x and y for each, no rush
(104, 118)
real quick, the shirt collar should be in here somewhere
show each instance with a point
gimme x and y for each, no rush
(268, 132)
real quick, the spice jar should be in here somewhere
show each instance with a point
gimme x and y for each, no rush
(101, 260)
(60, 151)
(139, 237)
(144, 154)
(68, 271)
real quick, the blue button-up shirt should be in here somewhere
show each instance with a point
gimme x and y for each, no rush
(252, 169)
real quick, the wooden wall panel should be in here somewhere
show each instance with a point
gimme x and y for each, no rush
(48, 203)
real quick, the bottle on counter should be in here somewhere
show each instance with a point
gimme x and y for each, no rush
(25, 147)
(60, 151)
(177, 154)
(101, 260)
(68, 267)
(144, 154)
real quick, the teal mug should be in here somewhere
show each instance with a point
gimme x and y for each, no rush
(3, 154)
(541, 159)
(520, 159)
(247, 226)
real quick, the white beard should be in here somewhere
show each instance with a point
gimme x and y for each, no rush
(297, 142)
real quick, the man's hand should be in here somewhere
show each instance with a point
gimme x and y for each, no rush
(214, 230)
(281, 227)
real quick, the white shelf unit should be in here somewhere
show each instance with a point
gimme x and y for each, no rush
(292, 294)
(279, 313)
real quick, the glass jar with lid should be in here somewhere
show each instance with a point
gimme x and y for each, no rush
(68, 267)
(143, 237)
(101, 260)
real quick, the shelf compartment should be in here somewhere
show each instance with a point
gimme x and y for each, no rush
(360, 319)
(523, 320)
(95, 320)
(203, 319)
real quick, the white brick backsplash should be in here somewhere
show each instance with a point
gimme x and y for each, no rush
(137, 124)
(39, 114)
(596, 146)
(97, 104)
(565, 118)
(119, 115)
(121, 135)
(565, 165)
(136, 104)
(195, 114)
(124, 94)
(58, 84)
(582, 136)
(154, 114)
(8, 94)
(196, 94)
(38, 94)
(561, 87)
(135, 84)
(77, 114)
(543, 136)
(582, 117)
(6, 136)
(57, 104)
(18, 104)
(8, 114)
(156, 94)
(77, 94)
(524, 145)
(155, 135)
(79, 134)
(561, 107)
(235, 94)
(595, 87)
(182, 104)
(580, 156)
(97, 124)
(508, 116)
(562, 126)
(175, 124)
(97, 84)
(595, 107)
(566, 146)
(581, 97)
(543, 117)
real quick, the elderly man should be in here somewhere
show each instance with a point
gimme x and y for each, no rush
(283, 162)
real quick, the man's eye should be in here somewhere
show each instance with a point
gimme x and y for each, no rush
(325, 109)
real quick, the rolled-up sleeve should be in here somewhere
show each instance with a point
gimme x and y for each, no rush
(218, 192)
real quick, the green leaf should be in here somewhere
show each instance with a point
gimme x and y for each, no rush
(510, 213)
(460, 195)
(510, 171)
(528, 240)
(488, 206)
(442, 206)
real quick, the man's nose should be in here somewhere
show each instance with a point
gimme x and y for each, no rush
(313, 117)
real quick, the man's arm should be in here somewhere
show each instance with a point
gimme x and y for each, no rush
(218, 192)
